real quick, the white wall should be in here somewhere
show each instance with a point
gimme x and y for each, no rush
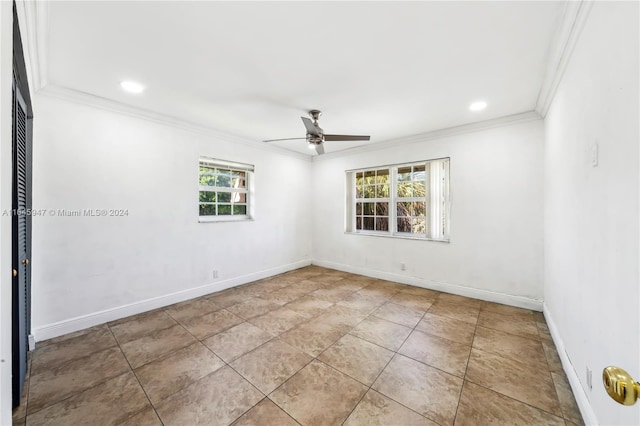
(591, 213)
(89, 158)
(496, 244)
(6, 70)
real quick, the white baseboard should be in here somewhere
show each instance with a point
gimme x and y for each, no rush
(489, 296)
(85, 321)
(588, 415)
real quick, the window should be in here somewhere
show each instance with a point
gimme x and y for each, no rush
(405, 200)
(224, 190)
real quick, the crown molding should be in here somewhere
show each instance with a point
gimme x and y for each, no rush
(98, 102)
(573, 19)
(507, 120)
(33, 17)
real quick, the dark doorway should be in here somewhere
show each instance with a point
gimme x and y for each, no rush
(22, 116)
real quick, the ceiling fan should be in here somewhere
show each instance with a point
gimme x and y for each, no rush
(316, 136)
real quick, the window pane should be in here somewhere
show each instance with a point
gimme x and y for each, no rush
(367, 224)
(382, 176)
(404, 189)
(359, 192)
(240, 209)
(404, 224)
(418, 225)
(224, 209)
(382, 223)
(404, 209)
(419, 189)
(382, 209)
(239, 197)
(239, 180)
(224, 180)
(224, 197)
(358, 223)
(370, 177)
(369, 191)
(419, 209)
(382, 191)
(404, 174)
(418, 173)
(207, 180)
(358, 208)
(207, 209)
(367, 208)
(207, 196)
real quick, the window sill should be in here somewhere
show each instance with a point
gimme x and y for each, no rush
(216, 219)
(399, 236)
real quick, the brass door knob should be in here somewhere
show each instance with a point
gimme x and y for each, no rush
(25, 262)
(620, 385)
(15, 273)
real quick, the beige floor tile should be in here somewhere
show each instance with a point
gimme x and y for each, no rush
(237, 341)
(166, 376)
(271, 284)
(544, 333)
(253, 307)
(67, 350)
(357, 358)
(226, 298)
(330, 294)
(455, 311)
(278, 321)
(481, 406)
(265, 413)
(341, 318)
(570, 409)
(419, 291)
(268, 366)
(309, 306)
(128, 329)
(192, 308)
(110, 402)
(18, 413)
(223, 395)
(399, 314)
(539, 317)
(306, 286)
(146, 417)
(312, 337)
(499, 308)
(379, 291)
(52, 385)
(459, 300)
(511, 346)
(73, 335)
(362, 302)
(156, 345)
(281, 296)
(414, 301)
(447, 328)
(553, 359)
(381, 332)
(514, 324)
(350, 285)
(311, 398)
(424, 389)
(212, 323)
(517, 380)
(437, 352)
(376, 409)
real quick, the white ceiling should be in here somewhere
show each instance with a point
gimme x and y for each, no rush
(388, 69)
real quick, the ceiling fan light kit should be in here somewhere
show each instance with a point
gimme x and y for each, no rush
(315, 134)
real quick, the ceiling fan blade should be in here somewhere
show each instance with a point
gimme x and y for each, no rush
(346, 138)
(320, 149)
(311, 128)
(285, 139)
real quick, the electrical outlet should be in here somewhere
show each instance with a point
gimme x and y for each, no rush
(215, 273)
(589, 378)
(403, 267)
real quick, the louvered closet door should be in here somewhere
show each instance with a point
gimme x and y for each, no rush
(21, 242)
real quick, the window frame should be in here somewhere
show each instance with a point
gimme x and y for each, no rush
(442, 209)
(248, 170)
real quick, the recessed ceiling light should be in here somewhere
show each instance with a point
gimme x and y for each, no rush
(132, 86)
(478, 106)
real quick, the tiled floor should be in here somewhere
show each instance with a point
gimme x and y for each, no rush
(313, 347)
